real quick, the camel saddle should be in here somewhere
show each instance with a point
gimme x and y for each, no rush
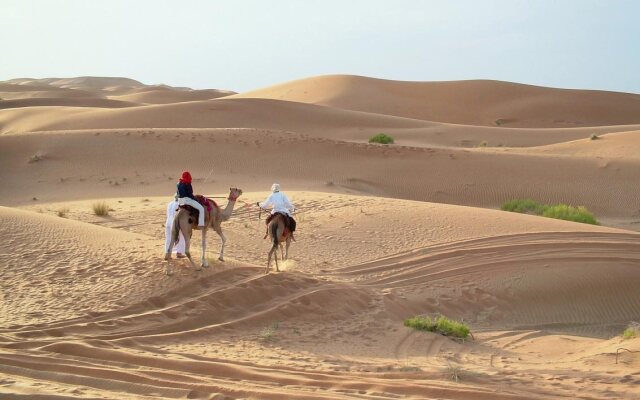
(289, 224)
(207, 203)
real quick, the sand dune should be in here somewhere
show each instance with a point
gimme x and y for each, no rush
(81, 82)
(385, 233)
(612, 146)
(11, 91)
(147, 163)
(65, 102)
(93, 88)
(181, 336)
(163, 95)
(486, 103)
(319, 121)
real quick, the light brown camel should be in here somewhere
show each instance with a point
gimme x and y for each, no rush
(183, 222)
(279, 235)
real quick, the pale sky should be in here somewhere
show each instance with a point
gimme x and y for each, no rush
(246, 44)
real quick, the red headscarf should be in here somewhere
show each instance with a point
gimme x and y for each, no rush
(186, 177)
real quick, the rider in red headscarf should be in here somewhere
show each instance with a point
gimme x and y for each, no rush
(185, 196)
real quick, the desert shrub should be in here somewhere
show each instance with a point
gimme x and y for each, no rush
(381, 138)
(558, 211)
(100, 208)
(439, 324)
(484, 143)
(499, 121)
(524, 206)
(570, 213)
(632, 331)
(268, 333)
(594, 137)
(62, 212)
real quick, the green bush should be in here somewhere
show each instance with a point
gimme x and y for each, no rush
(381, 138)
(526, 206)
(633, 331)
(558, 211)
(439, 324)
(570, 213)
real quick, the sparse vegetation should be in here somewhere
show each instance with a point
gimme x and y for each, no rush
(570, 213)
(499, 121)
(484, 143)
(62, 212)
(381, 138)
(409, 368)
(558, 211)
(632, 331)
(594, 137)
(439, 324)
(526, 206)
(269, 333)
(100, 208)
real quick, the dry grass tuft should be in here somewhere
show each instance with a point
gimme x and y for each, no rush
(100, 208)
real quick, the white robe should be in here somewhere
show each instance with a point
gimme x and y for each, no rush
(280, 203)
(172, 208)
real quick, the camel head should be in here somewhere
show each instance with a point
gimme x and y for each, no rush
(234, 193)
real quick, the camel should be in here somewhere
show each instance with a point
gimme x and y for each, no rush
(185, 223)
(276, 230)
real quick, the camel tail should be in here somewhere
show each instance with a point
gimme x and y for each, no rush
(175, 232)
(274, 234)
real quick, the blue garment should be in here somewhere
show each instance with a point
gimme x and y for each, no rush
(185, 190)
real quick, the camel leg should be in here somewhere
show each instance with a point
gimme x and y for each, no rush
(280, 232)
(167, 255)
(205, 263)
(275, 257)
(187, 244)
(273, 252)
(223, 239)
(187, 241)
(286, 253)
(282, 251)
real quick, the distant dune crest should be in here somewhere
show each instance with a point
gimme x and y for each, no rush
(473, 102)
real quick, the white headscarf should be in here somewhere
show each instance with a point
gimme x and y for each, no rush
(275, 187)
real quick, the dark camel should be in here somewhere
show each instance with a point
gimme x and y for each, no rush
(279, 235)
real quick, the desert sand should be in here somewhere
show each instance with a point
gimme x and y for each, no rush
(385, 233)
